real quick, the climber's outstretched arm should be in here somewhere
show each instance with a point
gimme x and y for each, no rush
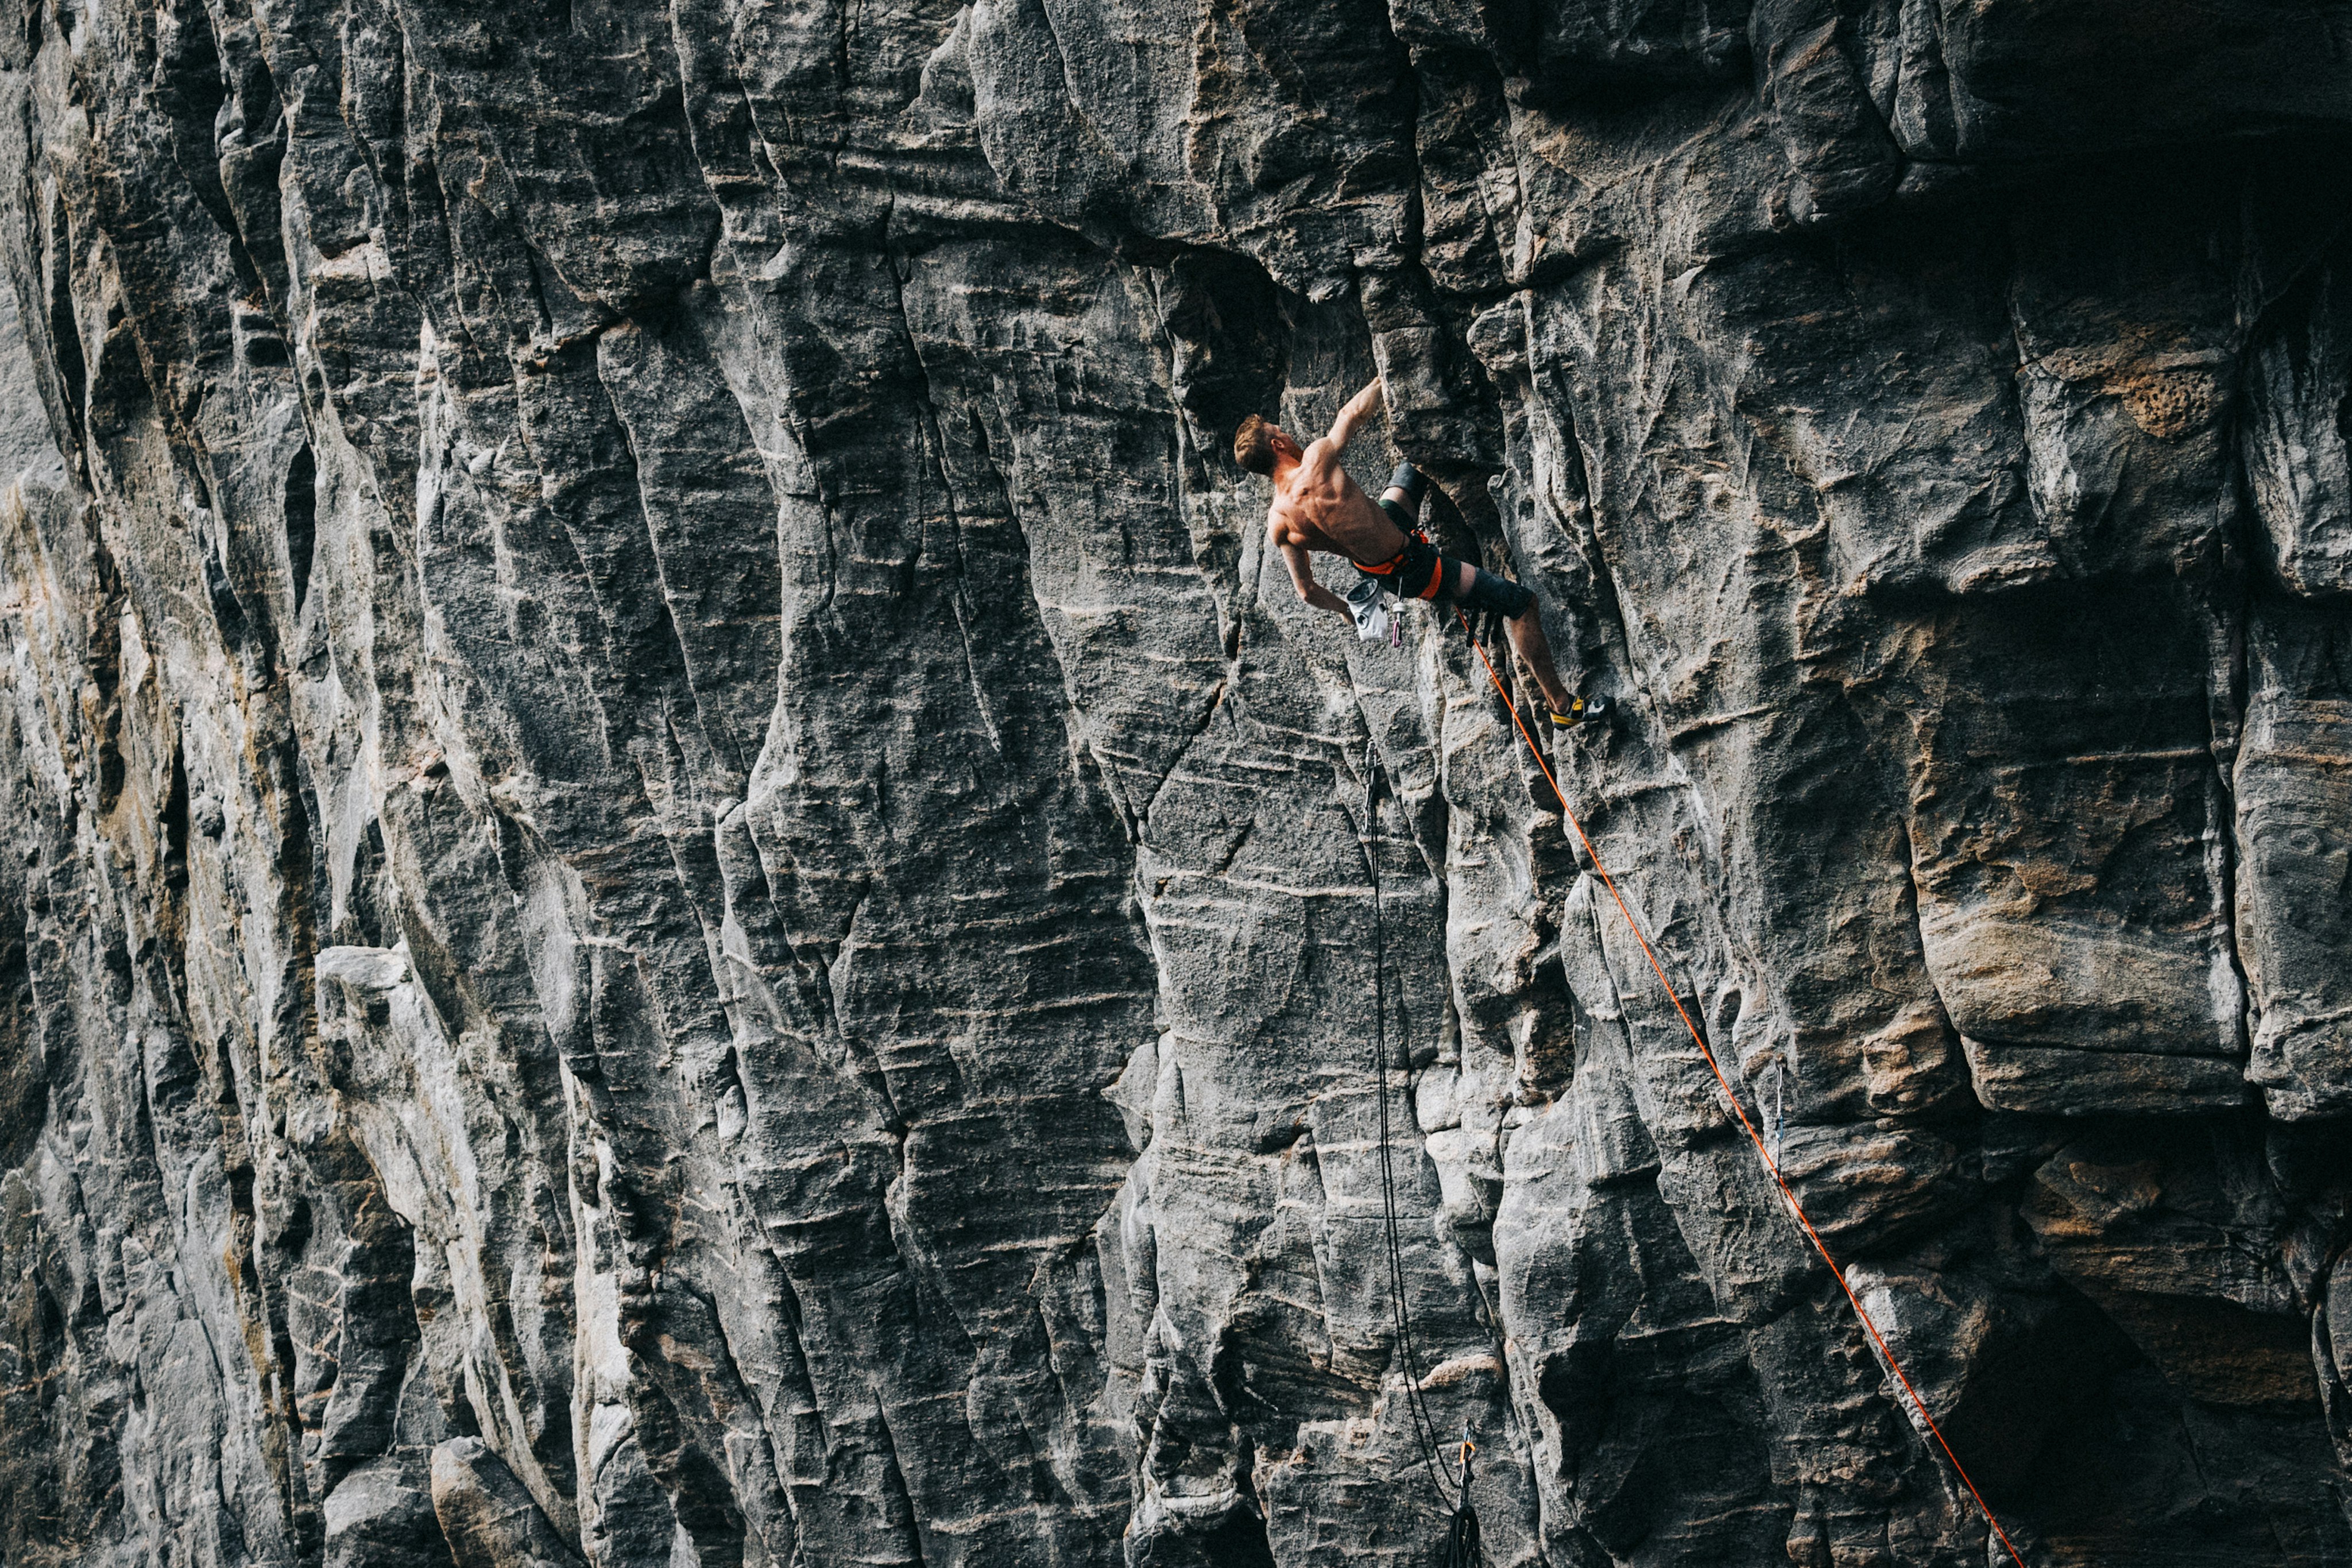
(1360, 409)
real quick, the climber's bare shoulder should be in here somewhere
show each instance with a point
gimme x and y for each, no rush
(1318, 506)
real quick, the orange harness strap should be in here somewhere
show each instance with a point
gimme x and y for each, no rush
(1429, 589)
(1772, 1166)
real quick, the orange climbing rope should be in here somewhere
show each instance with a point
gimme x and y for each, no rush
(1772, 1166)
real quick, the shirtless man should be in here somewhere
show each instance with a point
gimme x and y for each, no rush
(1317, 508)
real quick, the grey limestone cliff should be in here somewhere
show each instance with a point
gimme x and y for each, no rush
(678, 889)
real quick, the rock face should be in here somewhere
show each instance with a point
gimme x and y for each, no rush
(678, 887)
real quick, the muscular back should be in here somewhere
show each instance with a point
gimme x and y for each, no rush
(1318, 507)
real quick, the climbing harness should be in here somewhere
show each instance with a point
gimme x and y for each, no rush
(1772, 1166)
(1418, 571)
(1461, 1527)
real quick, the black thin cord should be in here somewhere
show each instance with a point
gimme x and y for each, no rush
(1391, 1252)
(1424, 1425)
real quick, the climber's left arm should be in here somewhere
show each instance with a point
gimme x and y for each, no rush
(1360, 409)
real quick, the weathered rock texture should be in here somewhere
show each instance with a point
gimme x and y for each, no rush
(680, 889)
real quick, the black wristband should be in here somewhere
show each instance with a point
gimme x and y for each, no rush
(1412, 481)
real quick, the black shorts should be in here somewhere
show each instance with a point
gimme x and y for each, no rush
(1418, 571)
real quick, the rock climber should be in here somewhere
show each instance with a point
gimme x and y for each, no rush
(1317, 507)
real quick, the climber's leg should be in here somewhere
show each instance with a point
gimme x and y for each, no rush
(1526, 635)
(1418, 571)
(1477, 591)
(1407, 486)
